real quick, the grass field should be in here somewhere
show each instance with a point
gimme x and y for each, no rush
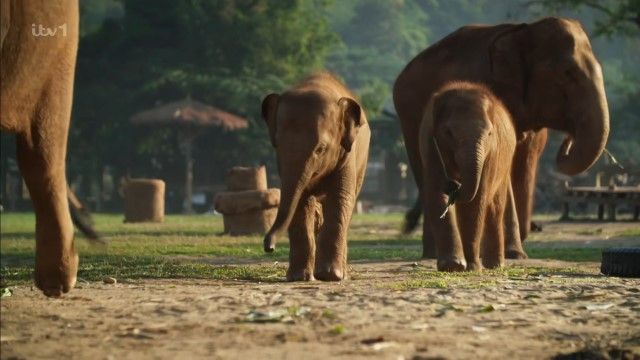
(189, 246)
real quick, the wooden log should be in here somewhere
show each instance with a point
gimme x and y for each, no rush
(246, 178)
(143, 200)
(242, 201)
(250, 222)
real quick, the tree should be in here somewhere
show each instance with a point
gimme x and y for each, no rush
(228, 53)
(615, 17)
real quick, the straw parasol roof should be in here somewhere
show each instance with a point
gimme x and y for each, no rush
(189, 112)
(188, 115)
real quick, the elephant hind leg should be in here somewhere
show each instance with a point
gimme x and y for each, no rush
(302, 236)
(412, 217)
(513, 244)
(41, 157)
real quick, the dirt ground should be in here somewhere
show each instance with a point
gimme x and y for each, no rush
(388, 310)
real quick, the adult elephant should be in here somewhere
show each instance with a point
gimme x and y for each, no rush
(547, 76)
(39, 40)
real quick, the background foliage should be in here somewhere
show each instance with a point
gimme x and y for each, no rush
(135, 54)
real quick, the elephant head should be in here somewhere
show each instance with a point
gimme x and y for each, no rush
(464, 135)
(311, 134)
(548, 70)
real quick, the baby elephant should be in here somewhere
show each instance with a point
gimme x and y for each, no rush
(321, 137)
(467, 141)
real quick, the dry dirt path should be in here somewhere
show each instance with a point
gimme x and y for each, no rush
(387, 310)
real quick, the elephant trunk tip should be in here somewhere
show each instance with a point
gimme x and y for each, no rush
(269, 243)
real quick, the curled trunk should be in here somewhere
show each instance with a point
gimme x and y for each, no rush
(589, 136)
(471, 162)
(291, 192)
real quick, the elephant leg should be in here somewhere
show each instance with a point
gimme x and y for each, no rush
(471, 223)
(428, 242)
(412, 216)
(302, 241)
(493, 239)
(513, 244)
(444, 231)
(523, 176)
(41, 157)
(331, 251)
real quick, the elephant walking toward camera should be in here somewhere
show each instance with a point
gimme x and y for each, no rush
(545, 74)
(321, 137)
(36, 91)
(467, 142)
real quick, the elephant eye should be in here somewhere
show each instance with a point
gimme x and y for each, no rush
(320, 149)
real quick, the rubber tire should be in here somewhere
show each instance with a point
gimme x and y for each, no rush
(621, 262)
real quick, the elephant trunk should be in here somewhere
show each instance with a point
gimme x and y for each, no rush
(291, 191)
(471, 162)
(586, 142)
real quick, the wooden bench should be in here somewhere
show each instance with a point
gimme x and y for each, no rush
(604, 196)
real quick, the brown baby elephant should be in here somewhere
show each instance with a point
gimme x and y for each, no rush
(321, 137)
(467, 142)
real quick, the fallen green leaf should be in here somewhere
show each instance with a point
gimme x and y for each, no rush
(6, 292)
(338, 329)
(487, 308)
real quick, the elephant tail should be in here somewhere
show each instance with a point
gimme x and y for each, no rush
(81, 218)
(412, 217)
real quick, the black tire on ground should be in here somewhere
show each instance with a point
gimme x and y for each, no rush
(622, 262)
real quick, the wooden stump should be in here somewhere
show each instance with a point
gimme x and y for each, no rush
(246, 178)
(144, 200)
(243, 201)
(256, 221)
(248, 212)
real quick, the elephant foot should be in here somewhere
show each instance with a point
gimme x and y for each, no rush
(299, 275)
(452, 264)
(474, 266)
(56, 276)
(330, 273)
(515, 254)
(493, 263)
(535, 227)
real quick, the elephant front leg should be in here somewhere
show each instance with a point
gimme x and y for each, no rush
(513, 243)
(41, 156)
(444, 232)
(302, 241)
(493, 239)
(331, 259)
(471, 223)
(523, 178)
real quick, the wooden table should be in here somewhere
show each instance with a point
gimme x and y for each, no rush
(609, 196)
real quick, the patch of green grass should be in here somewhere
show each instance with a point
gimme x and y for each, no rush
(565, 254)
(634, 232)
(96, 268)
(421, 278)
(187, 246)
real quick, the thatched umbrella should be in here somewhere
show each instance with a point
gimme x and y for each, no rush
(188, 116)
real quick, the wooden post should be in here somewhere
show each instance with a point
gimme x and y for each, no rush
(565, 211)
(600, 212)
(186, 143)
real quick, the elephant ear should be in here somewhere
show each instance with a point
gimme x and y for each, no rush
(351, 114)
(508, 53)
(269, 110)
